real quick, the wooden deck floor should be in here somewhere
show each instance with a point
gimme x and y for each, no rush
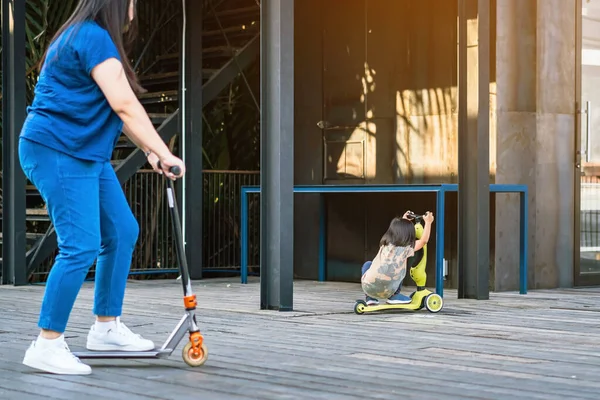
(545, 345)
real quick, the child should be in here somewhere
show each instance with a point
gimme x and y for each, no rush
(382, 278)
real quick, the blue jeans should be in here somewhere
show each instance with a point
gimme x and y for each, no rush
(93, 220)
(366, 267)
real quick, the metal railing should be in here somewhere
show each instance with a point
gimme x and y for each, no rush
(590, 214)
(154, 251)
(154, 254)
(222, 206)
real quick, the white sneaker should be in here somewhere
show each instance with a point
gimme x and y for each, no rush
(116, 336)
(54, 356)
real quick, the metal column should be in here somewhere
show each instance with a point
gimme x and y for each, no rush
(277, 155)
(473, 149)
(14, 270)
(191, 122)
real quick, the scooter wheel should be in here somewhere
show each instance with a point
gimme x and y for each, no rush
(194, 360)
(434, 302)
(359, 307)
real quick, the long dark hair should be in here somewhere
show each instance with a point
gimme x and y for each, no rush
(112, 15)
(401, 232)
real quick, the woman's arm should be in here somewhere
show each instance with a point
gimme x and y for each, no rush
(110, 77)
(131, 136)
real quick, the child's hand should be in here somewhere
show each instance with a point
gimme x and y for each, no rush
(428, 217)
(408, 215)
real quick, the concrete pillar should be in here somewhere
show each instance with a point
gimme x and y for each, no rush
(516, 122)
(536, 137)
(556, 72)
(277, 156)
(473, 149)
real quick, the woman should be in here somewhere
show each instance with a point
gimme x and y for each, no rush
(84, 99)
(382, 278)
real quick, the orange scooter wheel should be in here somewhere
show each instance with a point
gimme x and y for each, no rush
(194, 358)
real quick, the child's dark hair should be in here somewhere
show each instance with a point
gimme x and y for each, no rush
(401, 233)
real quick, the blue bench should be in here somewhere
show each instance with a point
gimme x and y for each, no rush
(439, 189)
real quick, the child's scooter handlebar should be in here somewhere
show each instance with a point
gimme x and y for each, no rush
(414, 216)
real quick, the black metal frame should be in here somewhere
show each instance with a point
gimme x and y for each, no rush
(579, 279)
(191, 70)
(230, 70)
(210, 90)
(277, 155)
(13, 117)
(473, 153)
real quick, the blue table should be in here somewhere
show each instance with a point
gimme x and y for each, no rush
(439, 189)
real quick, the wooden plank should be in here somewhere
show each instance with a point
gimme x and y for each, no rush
(161, 94)
(161, 75)
(28, 235)
(58, 388)
(236, 12)
(169, 56)
(539, 346)
(250, 29)
(12, 394)
(33, 211)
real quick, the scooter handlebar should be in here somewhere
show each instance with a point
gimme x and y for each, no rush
(414, 216)
(175, 170)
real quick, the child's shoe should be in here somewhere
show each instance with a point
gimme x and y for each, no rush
(371, 301)
(399, 299)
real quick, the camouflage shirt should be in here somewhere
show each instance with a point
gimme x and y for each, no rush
(386, 272)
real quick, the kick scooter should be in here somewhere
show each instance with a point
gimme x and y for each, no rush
(194, 352)
(421, 297)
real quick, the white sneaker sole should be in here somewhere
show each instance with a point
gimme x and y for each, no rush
(42, 366)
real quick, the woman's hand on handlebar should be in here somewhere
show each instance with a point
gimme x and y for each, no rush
(170, 161)
(153, 161)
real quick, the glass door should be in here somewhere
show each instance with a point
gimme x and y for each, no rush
(587, 266)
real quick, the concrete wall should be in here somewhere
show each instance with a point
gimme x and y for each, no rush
(380, 76)
(308, 143)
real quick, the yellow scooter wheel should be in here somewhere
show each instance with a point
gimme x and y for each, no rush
(359, 307)
(434, 303)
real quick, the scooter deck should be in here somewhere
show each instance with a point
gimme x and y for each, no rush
(384, 307)
(420, 299)
(123, 354)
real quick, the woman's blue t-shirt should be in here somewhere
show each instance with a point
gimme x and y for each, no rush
(69, 111)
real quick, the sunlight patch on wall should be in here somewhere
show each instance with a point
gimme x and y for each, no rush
(426, 134)
(358, 149)
(358, 157)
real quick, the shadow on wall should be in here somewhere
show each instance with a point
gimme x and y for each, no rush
(389, 91)
(390, 115)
